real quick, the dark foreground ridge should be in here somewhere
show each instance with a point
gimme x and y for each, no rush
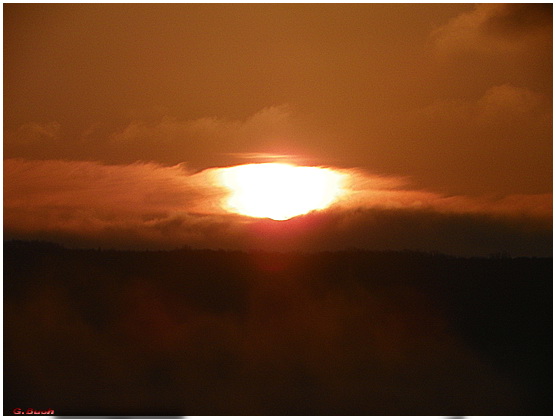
(203, 332)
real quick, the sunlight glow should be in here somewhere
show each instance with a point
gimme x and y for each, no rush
(279, 191)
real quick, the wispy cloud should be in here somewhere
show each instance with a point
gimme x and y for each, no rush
(203, 142)
(146, 204)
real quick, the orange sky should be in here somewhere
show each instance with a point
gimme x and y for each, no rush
(454, 99)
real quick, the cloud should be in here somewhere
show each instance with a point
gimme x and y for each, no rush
(503, 134)
(89, 199)
(171, 140)
(148, 205)
(34, 139)
(505, 102)
(497, 28)
(202, 142)
(389, 192)
(138, 187)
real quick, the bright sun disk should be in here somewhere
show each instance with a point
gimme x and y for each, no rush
(279, 191)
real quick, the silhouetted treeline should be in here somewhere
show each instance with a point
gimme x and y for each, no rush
(204, 332)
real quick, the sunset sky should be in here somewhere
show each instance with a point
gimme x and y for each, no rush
(118, 118)
(278, 209)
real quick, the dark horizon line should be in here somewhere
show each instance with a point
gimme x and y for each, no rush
(51, 245)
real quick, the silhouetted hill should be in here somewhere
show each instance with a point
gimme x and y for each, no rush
(204, 332)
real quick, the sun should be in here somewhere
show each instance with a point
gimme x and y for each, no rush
(279, 191)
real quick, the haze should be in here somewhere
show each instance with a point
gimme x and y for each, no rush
(454, 101)
(278, 209)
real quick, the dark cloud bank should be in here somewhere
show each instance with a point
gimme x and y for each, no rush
(371, 229)
(200, 332)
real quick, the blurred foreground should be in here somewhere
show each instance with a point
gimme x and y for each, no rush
(199, 332)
